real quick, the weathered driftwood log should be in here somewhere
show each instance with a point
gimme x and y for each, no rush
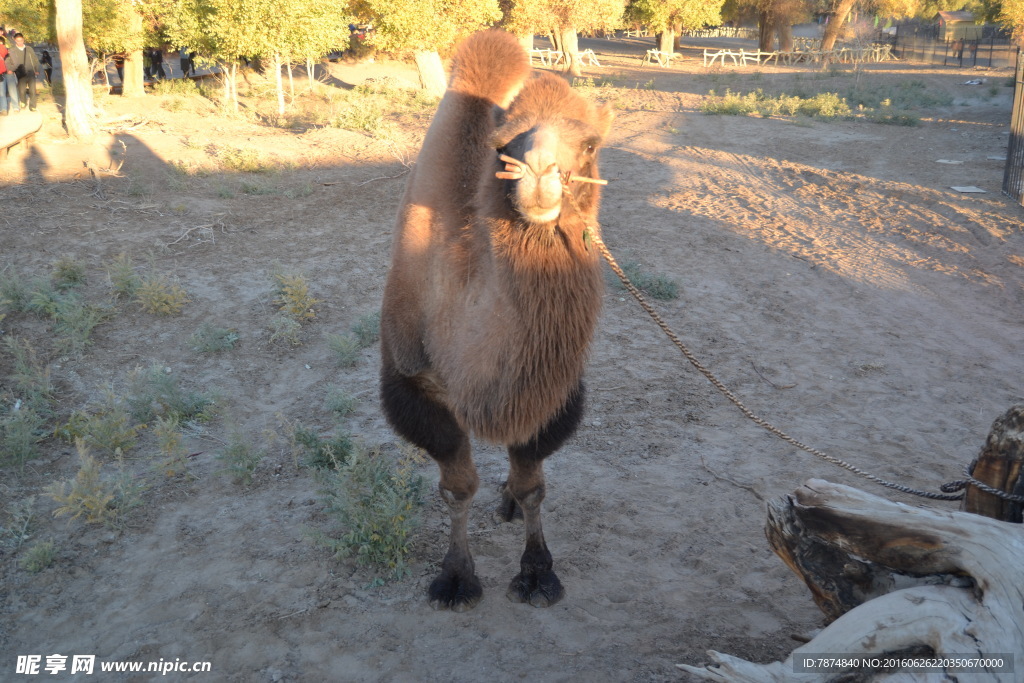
(956, 582)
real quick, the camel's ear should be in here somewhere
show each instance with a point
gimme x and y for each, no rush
(605, 116)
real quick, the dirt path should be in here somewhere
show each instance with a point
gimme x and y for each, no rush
(828, 275)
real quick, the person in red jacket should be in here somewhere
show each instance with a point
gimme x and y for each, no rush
(8, 82)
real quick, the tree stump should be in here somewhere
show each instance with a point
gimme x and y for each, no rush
(896, 579)
(1000, 466)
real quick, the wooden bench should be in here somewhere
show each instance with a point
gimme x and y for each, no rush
(18, 128)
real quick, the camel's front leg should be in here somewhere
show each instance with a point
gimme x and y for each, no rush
(524, 491)
(457, 587)
(536, 582)
(412, 407)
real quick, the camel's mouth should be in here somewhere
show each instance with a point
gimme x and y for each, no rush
(537, 196)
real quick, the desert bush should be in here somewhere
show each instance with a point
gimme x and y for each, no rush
(241, 159)
(95, 498)
(292, 297)
(68, 273)
(241, 457)
(30, 379)
(21, 430)
(155, 392)
(321, 452)
(124, 281)
(175, 86)
(73, 323)
(367, 329)
(109, 429)
(37, 558)
(339, 402)
(211, 339)
(19, 523)
(285, 329)
(158, 295)
(14, 292)
(345, 347)
(375, 504)
(173, 459)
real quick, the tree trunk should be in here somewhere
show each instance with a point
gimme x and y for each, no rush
(666, 41)
(278, 83)
(784, 30)
(765, 31)
(291, 78)
(571, 51)
(904, 580)
(310, 73)
(79, 112)
(229, 70)
(133, 83)
(431, 71)
(555, 39)
(836, 19)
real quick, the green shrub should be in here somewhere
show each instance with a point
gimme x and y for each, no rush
(346, 349)
(68, 273)
(321, 452)
(211, 339)
(339, 402)
(155, 392)
(175, 86)
(19, 524)
(124, 281)
(376, 506)
(37, 558)
(241, 458)
(242, 159)
(367, 330)
(109, 429)
(20, 433)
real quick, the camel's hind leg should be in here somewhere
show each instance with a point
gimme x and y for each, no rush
(536, 582)
(418, 416)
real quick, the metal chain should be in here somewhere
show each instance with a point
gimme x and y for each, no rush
(595, 238)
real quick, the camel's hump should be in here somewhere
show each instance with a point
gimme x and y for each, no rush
(492, 65)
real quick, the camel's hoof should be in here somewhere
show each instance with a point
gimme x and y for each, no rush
(540, 590)
(455, 593)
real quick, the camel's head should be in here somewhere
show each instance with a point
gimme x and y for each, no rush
(549, 135)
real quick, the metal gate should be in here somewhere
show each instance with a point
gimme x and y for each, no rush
(1013, 178)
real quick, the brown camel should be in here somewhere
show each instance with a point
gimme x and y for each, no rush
(494, 292)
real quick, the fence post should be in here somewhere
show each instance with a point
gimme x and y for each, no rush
(1013, 177)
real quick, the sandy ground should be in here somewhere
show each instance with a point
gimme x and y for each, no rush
(828, 275)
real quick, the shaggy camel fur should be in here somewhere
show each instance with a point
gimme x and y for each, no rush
(494, 292)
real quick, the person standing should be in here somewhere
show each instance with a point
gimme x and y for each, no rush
(26, 67)
(47, 62)
(8, 82)
(186, 62)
